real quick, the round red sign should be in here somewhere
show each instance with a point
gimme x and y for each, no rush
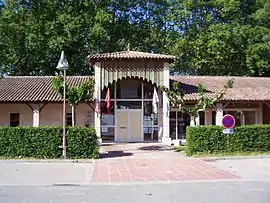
(228, 121)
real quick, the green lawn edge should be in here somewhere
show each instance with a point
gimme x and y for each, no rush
(181, 149)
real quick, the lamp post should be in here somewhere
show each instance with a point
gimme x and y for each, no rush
(63, 66)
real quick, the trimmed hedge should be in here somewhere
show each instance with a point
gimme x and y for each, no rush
(44, 142)
(210, 139)
(251, 138)
(205, 139)
(82, 143)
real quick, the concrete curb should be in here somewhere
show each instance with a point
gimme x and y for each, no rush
(46, 161)
(78, 184)
(234, 157)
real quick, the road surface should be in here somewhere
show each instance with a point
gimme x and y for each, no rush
(191, 192)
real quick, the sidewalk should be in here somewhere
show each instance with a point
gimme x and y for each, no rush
(251, 169)
(34, 172)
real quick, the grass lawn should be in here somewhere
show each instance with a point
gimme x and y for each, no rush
(204, 154)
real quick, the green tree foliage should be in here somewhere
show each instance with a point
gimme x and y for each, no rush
(33, 33)
(222, 37)
(75, 94)
(217, 37)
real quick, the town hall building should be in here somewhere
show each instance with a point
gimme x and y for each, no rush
(126, 83)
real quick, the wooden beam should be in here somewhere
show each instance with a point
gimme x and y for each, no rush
(267, 104)
(225, 105)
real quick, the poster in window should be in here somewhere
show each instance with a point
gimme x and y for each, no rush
(89, 118)
(107, 119)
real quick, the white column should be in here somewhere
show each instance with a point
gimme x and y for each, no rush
(194, 121)
(197, 120)
(160, 123)
(219, 113)
(242, 118)
(208, 117)
(97, 68)
(166, 119)
(36, 111)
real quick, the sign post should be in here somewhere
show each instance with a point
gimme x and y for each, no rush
(228, 122)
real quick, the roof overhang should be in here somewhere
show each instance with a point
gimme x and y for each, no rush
(129, 55)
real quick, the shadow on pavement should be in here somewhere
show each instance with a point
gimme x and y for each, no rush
(114, 154)
(157, 148)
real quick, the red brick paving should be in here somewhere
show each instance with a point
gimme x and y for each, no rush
(158, 167)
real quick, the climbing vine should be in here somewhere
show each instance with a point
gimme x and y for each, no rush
(176, 96)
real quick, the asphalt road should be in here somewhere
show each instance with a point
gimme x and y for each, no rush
(191, 192)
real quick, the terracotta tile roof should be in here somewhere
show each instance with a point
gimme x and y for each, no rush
(39, 88)
(244, 88)
(33, 88)
(129, 55)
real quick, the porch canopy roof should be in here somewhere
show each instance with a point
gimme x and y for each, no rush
(129, 55)
(131, 64)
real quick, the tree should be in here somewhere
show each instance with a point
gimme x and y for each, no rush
(176, 96)
(217, 37)
(76, 94)
(258, 52)
(33, 33)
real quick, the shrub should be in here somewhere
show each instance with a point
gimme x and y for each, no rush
(30, 142)
(82, 143)
(44, 142)
(205, 139)
(210, 139)
(250, 138)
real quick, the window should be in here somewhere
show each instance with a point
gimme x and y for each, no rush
(178, 124)
(202, 117)
(149, 118)
(129, 105)
(107, 122)
(243, 117)
(150, 122)
(129, 89)
(148, 90)
(214, 117)
(69, 119)
(236, 115)
(249, 117)
(104, 91)
(14, 119)
(173, 124)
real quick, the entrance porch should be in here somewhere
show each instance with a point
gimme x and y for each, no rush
(131, 78)
(131, 117)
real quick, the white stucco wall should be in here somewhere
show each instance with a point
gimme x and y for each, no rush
(26, 115)
(51, 114)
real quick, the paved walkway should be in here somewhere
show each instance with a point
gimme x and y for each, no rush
(151, 162)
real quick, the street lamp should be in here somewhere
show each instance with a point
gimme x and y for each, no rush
(63, 66)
